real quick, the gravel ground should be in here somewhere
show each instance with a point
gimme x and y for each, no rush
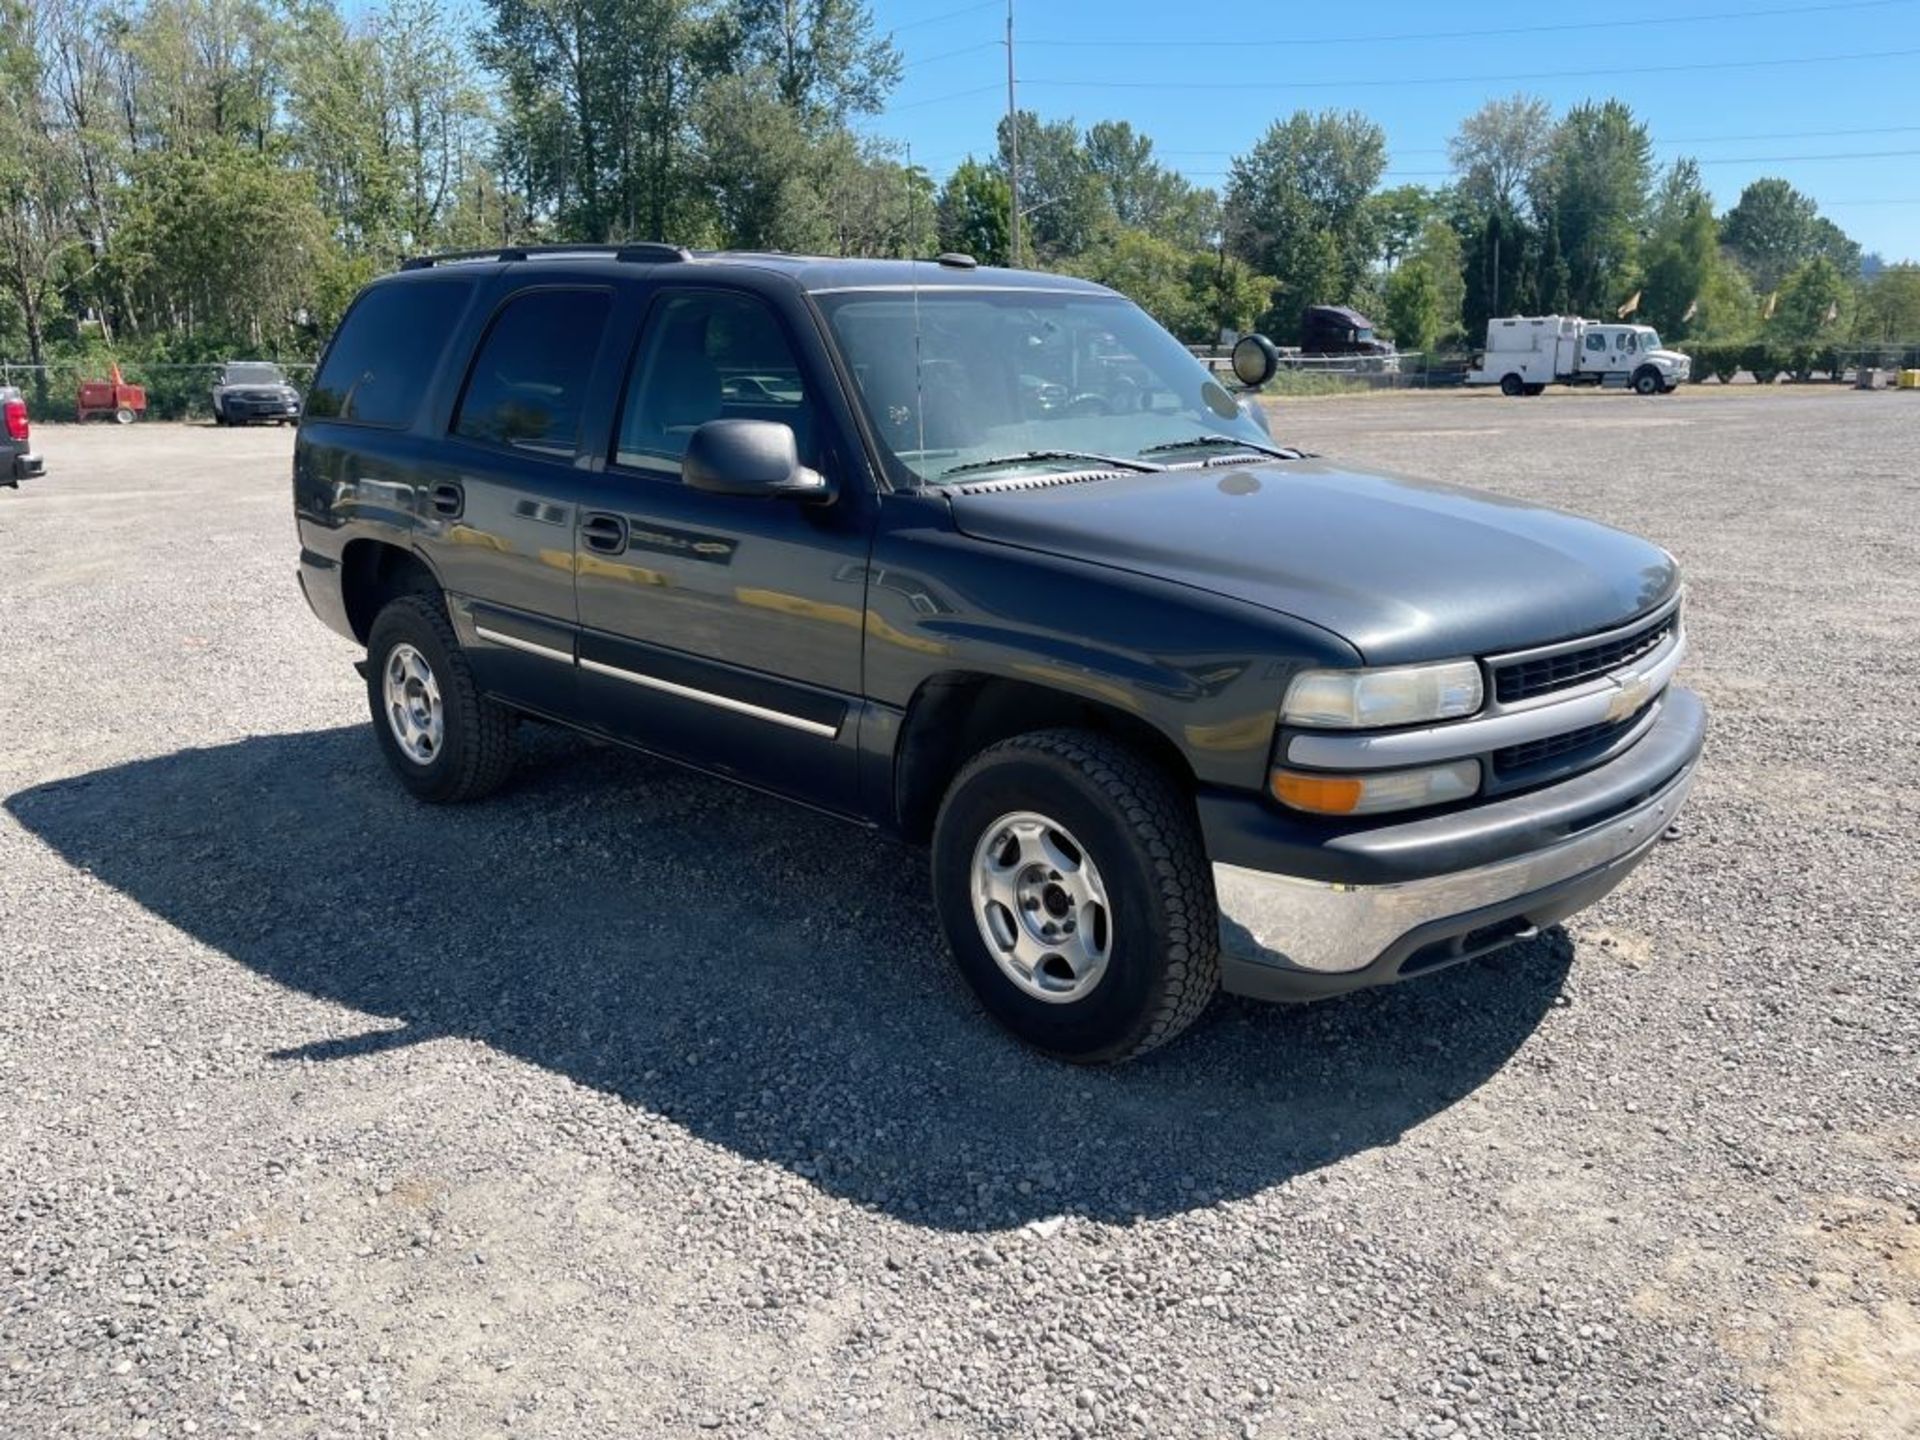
(629, 1104)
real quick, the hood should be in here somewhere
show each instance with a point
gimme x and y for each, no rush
(1402, 569)
(1671, 357)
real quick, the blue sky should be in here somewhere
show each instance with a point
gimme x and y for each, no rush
(1816, 92)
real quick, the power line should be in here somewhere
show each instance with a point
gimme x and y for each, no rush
(943, 99)
(1656, 140)
(1398, 173)
(1531, 75)
(1411, 36)
(949, 54)
(944, 15)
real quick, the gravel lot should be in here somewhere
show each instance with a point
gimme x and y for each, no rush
(628, 1104)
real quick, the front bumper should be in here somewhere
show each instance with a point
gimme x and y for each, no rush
(241, 411)
(1536, 858)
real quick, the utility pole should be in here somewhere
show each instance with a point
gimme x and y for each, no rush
(1013, 149)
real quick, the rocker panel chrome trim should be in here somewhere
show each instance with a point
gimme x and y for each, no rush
(707, 697)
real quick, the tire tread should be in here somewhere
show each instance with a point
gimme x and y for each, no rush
(1161, 821)
(486, 758)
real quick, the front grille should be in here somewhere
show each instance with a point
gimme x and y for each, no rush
(1538, 752)
(1523, 679)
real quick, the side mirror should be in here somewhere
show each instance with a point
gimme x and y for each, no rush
(1255, 361)
(750, 457)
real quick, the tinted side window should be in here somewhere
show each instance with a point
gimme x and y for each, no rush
(379, 363)
(1596, 342)
(709, 356)
(529, 380)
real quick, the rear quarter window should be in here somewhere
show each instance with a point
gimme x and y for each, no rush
(385, 352)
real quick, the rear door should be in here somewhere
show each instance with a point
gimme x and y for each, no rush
(507, 484)
(727, 630)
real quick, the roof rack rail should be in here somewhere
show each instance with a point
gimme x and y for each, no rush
(641, 252)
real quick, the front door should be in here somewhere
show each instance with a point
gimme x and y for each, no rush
(724, 629)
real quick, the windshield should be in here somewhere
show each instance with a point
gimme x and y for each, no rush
(1003, 374)
(254, 372)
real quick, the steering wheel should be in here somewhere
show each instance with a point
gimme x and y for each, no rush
(1088, 404)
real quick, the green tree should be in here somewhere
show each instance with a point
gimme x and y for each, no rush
(1400, 213)
(1413, 306)
(1498, 150)
(1836, 245)
(973, 213)
(224, 243)
(1063, 203)
(38, 184)
(1682, 250)
(1890, 305)
(1770, 231)
(1144, 195)
(1297, 208)
(1728, 309)
(824, 57)
(1815, 303)
(1155, 274)
(1438, 249)
(597, 98)
(1593, 185)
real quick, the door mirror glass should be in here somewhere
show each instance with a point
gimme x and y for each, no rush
(1255, 361)
(750, 458)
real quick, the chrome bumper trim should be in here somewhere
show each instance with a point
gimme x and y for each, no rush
(1288, 924)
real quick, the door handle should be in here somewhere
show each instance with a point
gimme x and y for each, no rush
(449, 500)
(603, 532)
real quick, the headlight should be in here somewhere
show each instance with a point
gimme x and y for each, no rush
(1363, 699)
(1371, 793)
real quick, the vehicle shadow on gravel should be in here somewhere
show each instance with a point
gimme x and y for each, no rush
(769, 979)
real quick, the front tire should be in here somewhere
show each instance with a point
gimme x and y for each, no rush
(1075, 895)
(1647, 381)
(444, 740)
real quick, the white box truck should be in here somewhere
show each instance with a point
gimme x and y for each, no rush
(1527, 353)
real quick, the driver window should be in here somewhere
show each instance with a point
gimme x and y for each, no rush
(710, 356)
(1629, 342)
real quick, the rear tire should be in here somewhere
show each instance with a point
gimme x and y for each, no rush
(1533, 390)
(123, 416)
(444, 740)
(1512, 386)
(1134, 876)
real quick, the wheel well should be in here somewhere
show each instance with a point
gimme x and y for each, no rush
(954, 717)
(373, 572)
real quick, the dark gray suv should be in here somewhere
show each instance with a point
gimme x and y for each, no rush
(254, 391)
(985, 558)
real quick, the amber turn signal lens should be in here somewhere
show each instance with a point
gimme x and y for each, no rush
(1321, 794)
(1376, 791)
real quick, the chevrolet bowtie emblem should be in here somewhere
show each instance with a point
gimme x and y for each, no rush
(1632, 695)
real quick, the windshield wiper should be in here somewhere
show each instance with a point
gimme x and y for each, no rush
(1215, 442)
(1024, 456)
